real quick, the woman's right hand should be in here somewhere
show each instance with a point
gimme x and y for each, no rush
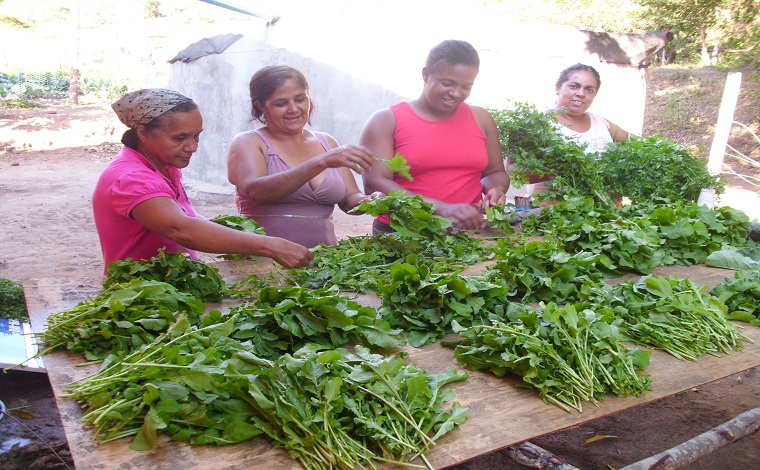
(289, 254)
(354, 157)
(463, 216)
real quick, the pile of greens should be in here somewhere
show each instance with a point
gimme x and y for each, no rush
(569, 354)
(240, 223)
(12, 302)
(541, 271)
(644, 235)
(410, 216)
(644, 168)
(191, 276)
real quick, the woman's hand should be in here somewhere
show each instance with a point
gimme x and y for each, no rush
(494, 197)
(463, 216)
(354, 157)
(289, 254)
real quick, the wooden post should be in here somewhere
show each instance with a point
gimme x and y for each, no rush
(722, 130)
(74, 85)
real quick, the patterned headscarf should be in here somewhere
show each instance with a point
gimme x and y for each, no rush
(142, 106)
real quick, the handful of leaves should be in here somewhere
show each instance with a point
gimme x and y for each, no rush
(410, 216)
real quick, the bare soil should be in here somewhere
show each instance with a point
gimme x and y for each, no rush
(50, 158)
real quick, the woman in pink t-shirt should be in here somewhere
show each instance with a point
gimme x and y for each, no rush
(139, 202)
(452, 148)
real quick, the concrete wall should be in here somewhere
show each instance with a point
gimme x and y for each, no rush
(355, 76)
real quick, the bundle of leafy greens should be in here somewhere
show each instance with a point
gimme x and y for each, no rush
(670, 314)
(531, 140)
(570, 354)
(645, 168)
(643, 235)
(186, 274)
(284, 320)
(119, 320)
(741, 295)
(426, 305)
(329, 408)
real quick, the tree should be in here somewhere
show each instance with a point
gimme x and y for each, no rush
(708, 24)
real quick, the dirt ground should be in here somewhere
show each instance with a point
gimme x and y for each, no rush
(50, 158)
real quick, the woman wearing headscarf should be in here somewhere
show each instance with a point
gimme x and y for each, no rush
(139, 202)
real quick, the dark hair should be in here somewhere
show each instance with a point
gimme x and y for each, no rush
(157, 124)
(267, 80)
(565, 74)
(452, 52)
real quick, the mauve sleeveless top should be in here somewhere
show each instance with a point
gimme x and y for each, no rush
(304, 217)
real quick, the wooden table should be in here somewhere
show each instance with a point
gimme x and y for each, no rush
(500, 413)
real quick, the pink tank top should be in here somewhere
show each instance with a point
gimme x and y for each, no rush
(447, 157)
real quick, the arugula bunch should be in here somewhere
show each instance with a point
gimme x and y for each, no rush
(569, 354)
(186, 274)
(284, 320)
(122, 318)
(741, 296)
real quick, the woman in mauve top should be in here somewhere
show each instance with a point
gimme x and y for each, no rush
(452, 148)
(288, 178)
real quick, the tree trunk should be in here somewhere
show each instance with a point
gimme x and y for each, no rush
(692, 450)
(705, 55)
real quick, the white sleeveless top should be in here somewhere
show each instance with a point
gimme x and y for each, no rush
(596, 138)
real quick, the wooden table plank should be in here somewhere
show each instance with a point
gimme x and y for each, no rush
(500, 413)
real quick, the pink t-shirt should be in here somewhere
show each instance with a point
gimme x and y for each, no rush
(127, 181)
(446, 158)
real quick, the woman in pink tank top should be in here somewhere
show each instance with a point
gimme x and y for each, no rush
(287, 178)
(451, 147)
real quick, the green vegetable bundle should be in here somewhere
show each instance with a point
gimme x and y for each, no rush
(284, 320)
(569, 354)
(741, 296)
(122, 318)
(426, 305)
(541, 271)
(670, 314)
(186, 274)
